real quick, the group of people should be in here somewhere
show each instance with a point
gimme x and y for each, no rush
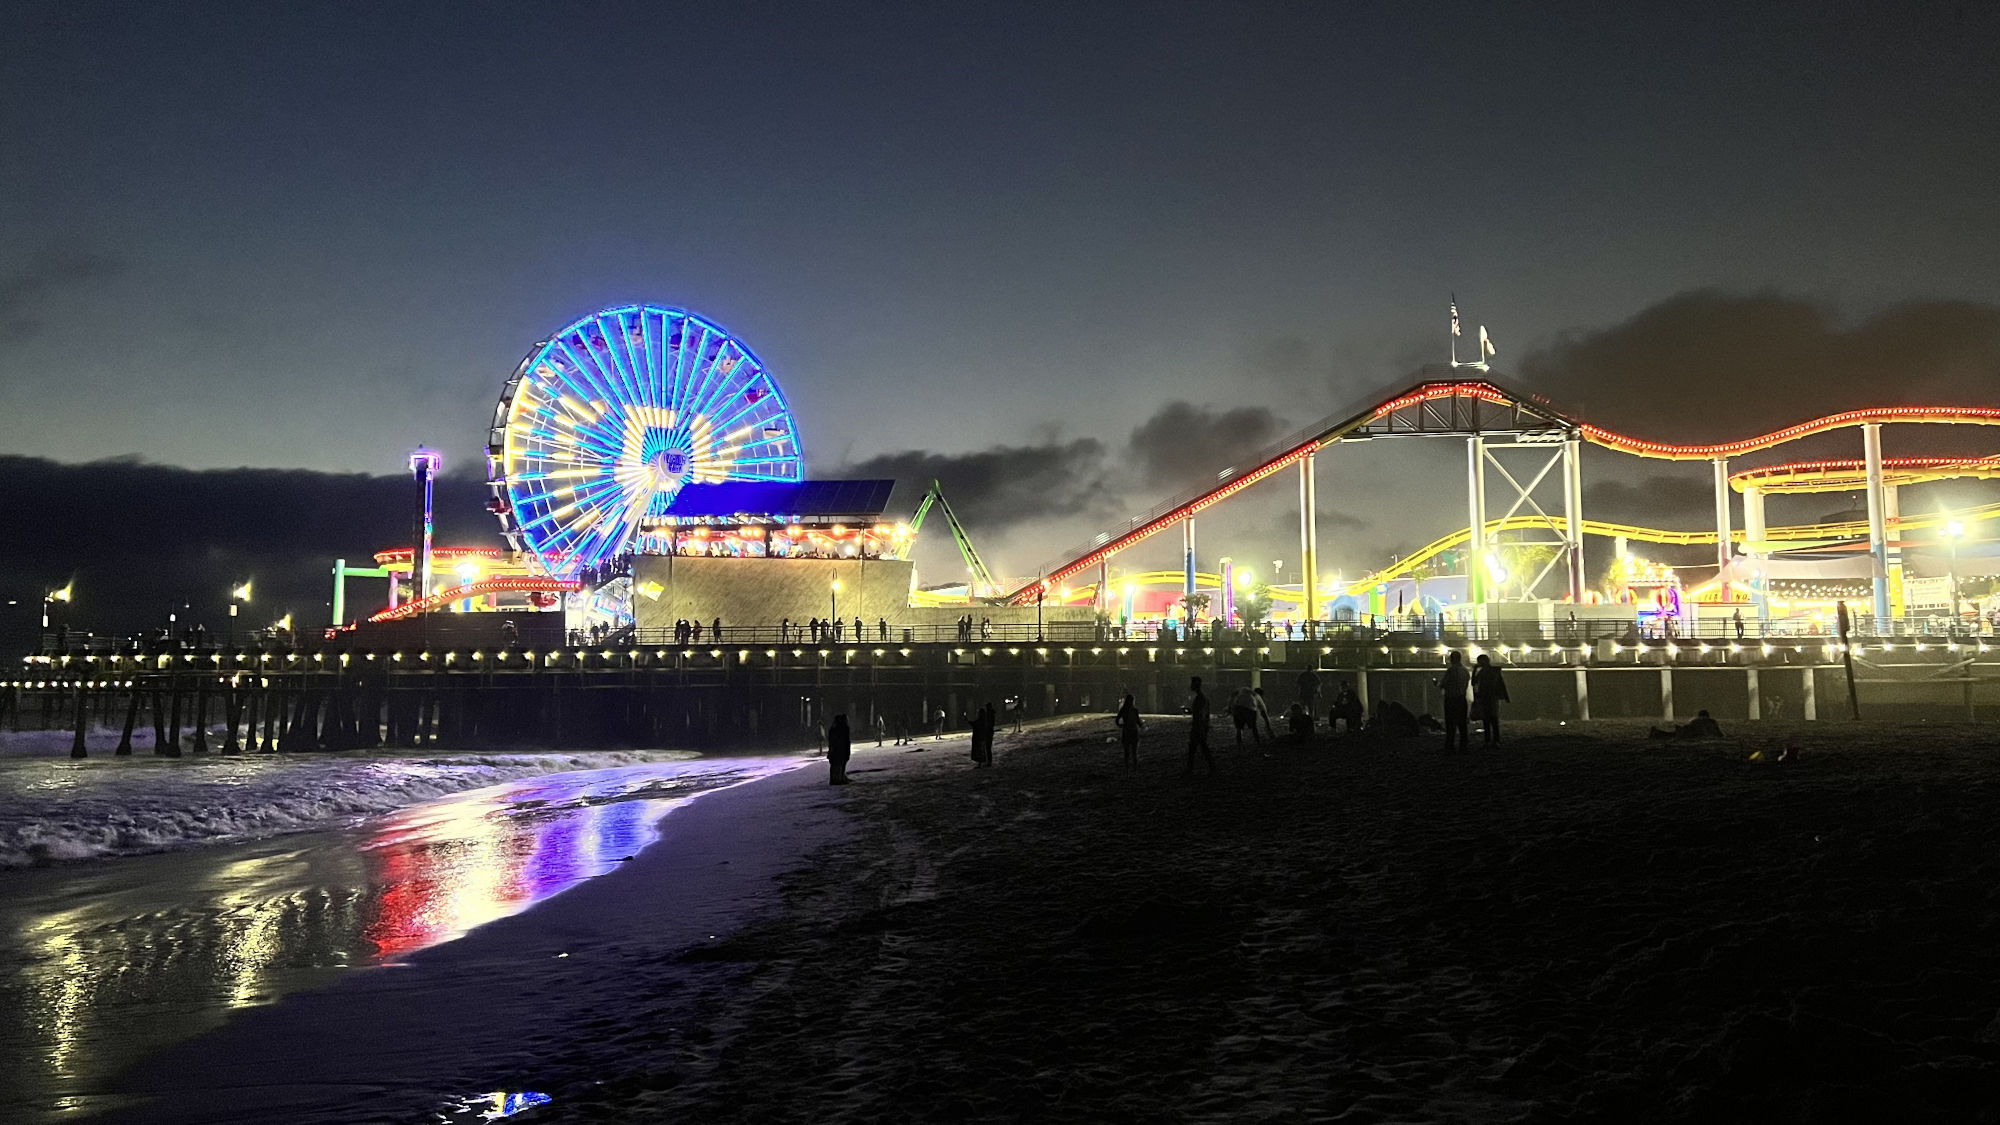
(688, 632)
(831, 631)
(1488, 690)
(966, 628)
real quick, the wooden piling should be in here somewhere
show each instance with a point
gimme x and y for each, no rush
(131, 719)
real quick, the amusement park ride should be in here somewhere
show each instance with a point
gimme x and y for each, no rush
(650, 432)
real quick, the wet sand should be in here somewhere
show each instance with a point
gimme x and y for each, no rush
(1584, 926)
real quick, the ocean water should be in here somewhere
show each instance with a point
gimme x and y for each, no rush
(142, 900)
(53, 809)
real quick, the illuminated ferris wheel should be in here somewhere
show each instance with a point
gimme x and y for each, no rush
(604, 423)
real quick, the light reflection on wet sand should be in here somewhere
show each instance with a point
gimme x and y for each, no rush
(112, 959)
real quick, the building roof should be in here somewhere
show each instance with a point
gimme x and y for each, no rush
(859, 500)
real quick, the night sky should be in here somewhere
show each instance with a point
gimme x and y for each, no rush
(1062, 256)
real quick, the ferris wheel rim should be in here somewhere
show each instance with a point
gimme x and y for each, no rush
(632, 402)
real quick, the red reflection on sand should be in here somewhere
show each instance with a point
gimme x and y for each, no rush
(452, 865)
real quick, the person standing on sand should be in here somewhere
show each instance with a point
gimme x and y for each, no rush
(1489, 691)
(839, 747)
(1129, 724)
(1198, 716)
(1309, 689)
(982, 735)
(881, 727)
(1453, 684)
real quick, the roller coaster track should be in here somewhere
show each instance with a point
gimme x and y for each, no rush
(1462, 407)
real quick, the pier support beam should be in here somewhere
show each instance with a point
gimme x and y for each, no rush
(1811, 710)
(1756, 699)
(1755, 546)
(1583, 694)
(1667, 692)
(1878, 535)
(1308, 541)
(1892, 527)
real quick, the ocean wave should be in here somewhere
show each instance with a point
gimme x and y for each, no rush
(65, 810)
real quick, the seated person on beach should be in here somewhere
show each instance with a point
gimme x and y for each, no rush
(1346, 706)
(1394, 720)
(1299, 720)
(1701, 726)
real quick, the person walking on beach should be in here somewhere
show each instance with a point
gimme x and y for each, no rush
(839, 747)
(1263, 712)
(1489, 691)
(1198, 715)
(881, 727)
(1129, 724)
(1453, 684)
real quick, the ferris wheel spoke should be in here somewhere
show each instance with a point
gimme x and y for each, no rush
(625, 372)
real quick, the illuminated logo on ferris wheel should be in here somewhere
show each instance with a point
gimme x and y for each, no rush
(605, 422)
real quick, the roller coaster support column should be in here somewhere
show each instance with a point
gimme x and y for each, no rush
(1187, 561)
(1878, 536)
(1573, 515)
(1892, 523)
(1308, 540)
(1754, 546)
(1475, 544)
(1722, 520)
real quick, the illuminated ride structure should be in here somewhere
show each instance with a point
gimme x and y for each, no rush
(1524, 455)
(607, 421)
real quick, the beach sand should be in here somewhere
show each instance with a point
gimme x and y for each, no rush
(1586, 925)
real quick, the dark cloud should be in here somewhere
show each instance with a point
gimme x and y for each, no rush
(46, 273)
(1709, 365)
(1657, 500)
(141, 539)
(1185, 444)
(999, 487)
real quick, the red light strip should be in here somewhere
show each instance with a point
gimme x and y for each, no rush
(1913, 469)
(512, 584)
(1178, 514)
(1946, 415)
(405, 554)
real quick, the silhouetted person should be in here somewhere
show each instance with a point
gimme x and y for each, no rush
(1489, 691)
(1701, 726)
(860, 631)
(839, 747)
(1309, 690)
(1346, 705)
(715, 630)
(1736, 618)
(1397, 721)
(1198, 716)
(881, 727)
(983, 724)
(1243, 713)
(882, 629)
(1129, 724)
(1299, 721)
(1457, 730)
(1263, 713)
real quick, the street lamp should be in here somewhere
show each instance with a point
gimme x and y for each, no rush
(834, 596)
(53, 596)
(237, 597)
(1954, 530)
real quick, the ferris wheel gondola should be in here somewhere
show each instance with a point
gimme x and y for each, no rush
(604, 423)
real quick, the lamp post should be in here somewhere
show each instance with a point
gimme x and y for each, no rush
(1040, 591)
(1953, 531)
(834, 598)
(49, 599)
(238, 597)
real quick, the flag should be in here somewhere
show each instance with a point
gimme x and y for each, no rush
(1485, 345)
(1454, 317)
